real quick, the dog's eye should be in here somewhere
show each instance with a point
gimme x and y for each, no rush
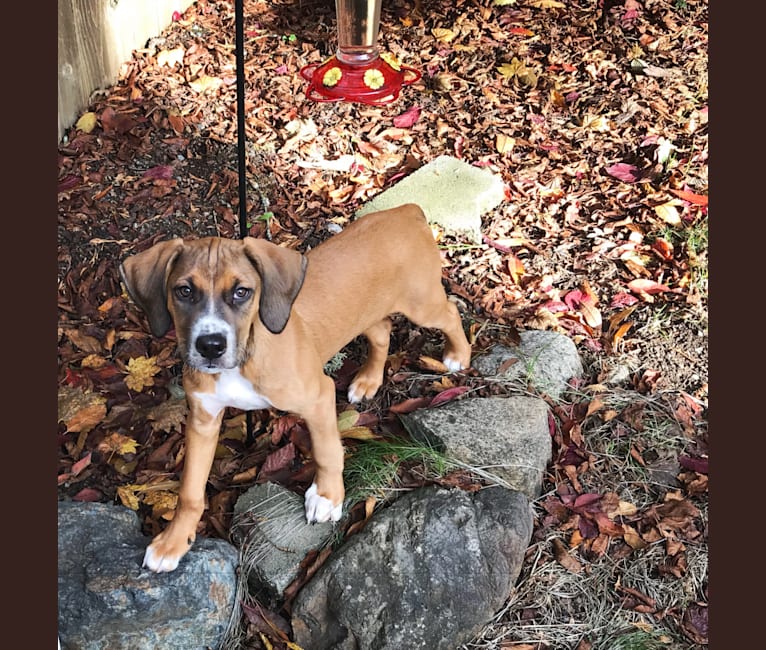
(241, 293)
(184, 292)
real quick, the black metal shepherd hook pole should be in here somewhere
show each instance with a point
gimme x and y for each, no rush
(239, 19)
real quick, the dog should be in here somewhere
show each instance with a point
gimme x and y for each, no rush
(256, 323)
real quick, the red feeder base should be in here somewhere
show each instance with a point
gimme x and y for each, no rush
(376, 82)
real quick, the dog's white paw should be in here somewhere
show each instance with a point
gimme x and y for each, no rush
(159, 563)
(453, 365)
(319, 509)
(355, 393)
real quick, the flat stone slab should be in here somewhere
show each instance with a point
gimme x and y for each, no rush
(270, 526)
(453, 194)
(505, 438)
(544, 361)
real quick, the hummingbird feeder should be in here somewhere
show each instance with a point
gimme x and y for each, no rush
(358, 72)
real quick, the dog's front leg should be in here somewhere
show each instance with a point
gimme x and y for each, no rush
(324, 499)
(171, 544)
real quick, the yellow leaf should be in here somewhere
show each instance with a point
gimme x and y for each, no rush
(94, 361)
(347, 419)
(266, 641)
(504, 143)
(170, 57)
(117, 443)
(599, 124)
(443, 35)
(87, 122)
(203, 83)
(163, 502)
(503, 3)
(518, 71)
(141, 371)
(358, 433)
(510, 70)
(547, 4)
(668, 212)
(128, 496)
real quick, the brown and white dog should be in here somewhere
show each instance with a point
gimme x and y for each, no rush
(256, 323)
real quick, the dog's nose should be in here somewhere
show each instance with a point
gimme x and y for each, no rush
(211, 346)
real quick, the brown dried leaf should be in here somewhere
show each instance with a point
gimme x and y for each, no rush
(431, 365)
(80, 410)
(86, 343)
(563, 557)
(168, 415)
(632, 538)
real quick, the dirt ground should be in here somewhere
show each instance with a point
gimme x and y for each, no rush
(595, 116)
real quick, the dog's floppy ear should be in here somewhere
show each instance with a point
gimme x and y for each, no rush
(282, 271)
(145, 277)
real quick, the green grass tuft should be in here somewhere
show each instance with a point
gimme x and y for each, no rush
(374, 465)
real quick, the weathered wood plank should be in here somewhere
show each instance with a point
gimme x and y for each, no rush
(94, 38)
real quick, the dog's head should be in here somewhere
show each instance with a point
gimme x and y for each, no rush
(212, 290)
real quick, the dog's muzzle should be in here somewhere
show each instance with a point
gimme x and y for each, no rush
(211, 346)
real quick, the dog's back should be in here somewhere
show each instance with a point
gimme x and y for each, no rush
(399, 266)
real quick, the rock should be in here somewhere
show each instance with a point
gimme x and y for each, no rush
(106, 600)
(546, 361)
(507, 438)
(438, 188)
(427, 572)
(270, 527)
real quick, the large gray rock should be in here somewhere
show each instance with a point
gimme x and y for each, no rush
(505, 439)
(545, 361)
(107, 601)
(270, 527)
(427, 572)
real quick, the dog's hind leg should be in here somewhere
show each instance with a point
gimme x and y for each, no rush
(370, 376)
(444, 315)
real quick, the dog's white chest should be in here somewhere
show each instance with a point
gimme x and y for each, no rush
(232, 389)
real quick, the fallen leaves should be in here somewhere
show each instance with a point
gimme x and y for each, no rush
(80, 410)
(646, 289)
(141, 372)
(555, 107)
(205, 84)
(87, 122)
(519, 73)
(624, 172)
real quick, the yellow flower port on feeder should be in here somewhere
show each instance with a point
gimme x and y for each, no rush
(332, 77)
(391, 60)
(374, 79)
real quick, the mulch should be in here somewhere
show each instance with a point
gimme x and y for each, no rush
(593, 113)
